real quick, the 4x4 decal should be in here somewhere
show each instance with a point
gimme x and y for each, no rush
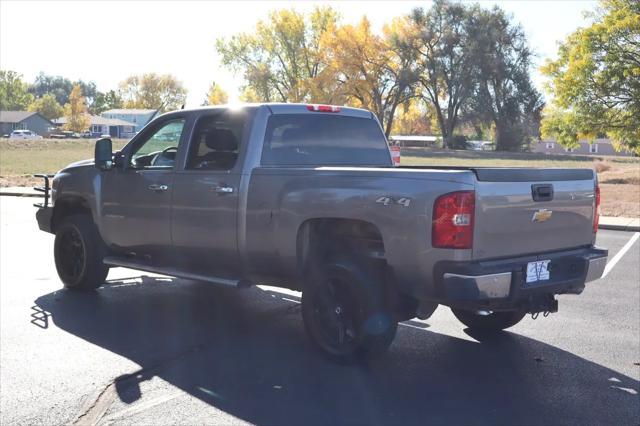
(385, 201)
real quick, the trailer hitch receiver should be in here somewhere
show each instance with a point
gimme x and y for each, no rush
(545, 303)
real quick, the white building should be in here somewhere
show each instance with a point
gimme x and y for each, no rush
(596, 147)
(138, 117)
(406, 140)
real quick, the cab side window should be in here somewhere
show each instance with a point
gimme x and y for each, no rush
(216, 141)
(161, 147)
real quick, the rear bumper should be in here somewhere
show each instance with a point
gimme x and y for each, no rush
(43, 216)
(501, 284)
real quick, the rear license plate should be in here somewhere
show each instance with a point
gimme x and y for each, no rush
(538, 271)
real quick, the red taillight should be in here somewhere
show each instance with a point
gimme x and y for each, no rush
(596, 210)
(453, 217)
(323, 108)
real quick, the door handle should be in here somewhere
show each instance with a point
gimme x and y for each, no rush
(158, 188)
(222, 189)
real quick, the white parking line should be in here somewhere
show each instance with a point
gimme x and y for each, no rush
(621, 253)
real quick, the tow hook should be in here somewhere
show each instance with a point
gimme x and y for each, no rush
(545, 304)
(534, 315)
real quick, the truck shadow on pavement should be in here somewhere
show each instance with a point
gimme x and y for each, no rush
(245, 353)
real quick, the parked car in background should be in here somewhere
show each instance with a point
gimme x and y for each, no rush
(24, 134)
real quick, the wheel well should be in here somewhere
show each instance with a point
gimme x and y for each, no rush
(322, 237)
(67, 206)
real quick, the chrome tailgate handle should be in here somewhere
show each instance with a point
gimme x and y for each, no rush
(542, 192)
(157, 187)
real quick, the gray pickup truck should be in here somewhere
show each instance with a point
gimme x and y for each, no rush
(306, 197)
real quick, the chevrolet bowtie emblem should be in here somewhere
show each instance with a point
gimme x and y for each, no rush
(541, 215)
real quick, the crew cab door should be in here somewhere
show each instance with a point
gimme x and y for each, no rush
(206, 192)
(136, 196)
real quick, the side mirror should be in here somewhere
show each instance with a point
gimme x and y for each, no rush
(104, 154)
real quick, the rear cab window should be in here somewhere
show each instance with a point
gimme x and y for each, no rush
(324, 140)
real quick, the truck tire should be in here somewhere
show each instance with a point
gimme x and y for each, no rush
(344, 311)
(78, 252)
(494, 321)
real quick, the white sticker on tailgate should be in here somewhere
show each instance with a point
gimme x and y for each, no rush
(537, 271)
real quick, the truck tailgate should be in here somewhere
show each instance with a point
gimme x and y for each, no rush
(526, 211)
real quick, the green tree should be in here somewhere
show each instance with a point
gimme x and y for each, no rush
(282, 59)
(61, 88)
(153, 91)
(13, 92)
(113, 100)
(564, 126)
(216, 95)
(57, 86)
(504, 94)
(596, 79)
(47, 106)
(444, 59)
(76, 111)
(105, 101)
(99, 104)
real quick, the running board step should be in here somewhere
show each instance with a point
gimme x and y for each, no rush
(173, 272)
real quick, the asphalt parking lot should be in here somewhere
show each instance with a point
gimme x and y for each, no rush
(153, 350)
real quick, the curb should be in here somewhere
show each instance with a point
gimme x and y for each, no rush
(627, 224)
(615, 227)
(20, 194)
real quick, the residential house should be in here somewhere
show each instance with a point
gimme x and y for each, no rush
(18, 120)
(597, 147)
(139, 117)
(412, 140)
(99, 126)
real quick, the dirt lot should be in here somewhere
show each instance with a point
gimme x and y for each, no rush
(20, 159)
(619, 176)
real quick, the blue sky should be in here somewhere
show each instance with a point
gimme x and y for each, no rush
(108, 41)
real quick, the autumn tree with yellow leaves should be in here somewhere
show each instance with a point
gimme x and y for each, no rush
(467, 66)
(216, 95)
(75, 111)
(371, 71)
(413, 118)
(163, 92)
(282, 61)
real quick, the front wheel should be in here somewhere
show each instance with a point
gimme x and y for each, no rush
(78, 252)
(345, 313)
(489, 321)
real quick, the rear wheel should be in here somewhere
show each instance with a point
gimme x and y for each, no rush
(489, 321)
(344, 312)
(78, 252)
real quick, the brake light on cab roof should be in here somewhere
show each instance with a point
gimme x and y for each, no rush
(323, 108)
